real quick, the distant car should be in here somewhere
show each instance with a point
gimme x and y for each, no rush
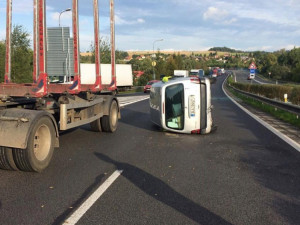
(251, 76)
(149, 84)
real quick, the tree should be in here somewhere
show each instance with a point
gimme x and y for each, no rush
(105, 53)
(22, 56)
(171, 66)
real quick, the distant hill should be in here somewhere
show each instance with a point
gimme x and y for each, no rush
(225, 49)
(188, 53)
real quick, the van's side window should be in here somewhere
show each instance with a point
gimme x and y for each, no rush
(174, 106)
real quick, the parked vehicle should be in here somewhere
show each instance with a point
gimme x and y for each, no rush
(148, 85)
(197, 73)
(222, 71)
(181, 73)
(215, 72)
(182, 105)
(31, 115)
(124, 75)
(251, 76)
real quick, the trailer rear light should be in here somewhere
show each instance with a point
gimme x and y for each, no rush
(195, 80)
(198, 131)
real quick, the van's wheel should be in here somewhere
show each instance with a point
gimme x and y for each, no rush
(109, 122)
(96, 125)
(6, 159)
(38, 154)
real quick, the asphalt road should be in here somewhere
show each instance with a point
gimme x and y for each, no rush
(241, 174)
(242, 75)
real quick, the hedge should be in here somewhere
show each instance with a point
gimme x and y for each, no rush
(271, 91)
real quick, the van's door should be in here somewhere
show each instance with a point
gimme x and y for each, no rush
(192, 105)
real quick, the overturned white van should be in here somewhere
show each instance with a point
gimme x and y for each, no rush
(182, 105)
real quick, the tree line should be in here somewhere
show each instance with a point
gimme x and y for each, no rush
(280, 65)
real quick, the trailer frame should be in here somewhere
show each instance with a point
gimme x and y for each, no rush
(32, 114)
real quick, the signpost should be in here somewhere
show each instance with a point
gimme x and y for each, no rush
(252, 69)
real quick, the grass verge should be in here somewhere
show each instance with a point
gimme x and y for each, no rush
(276, 112)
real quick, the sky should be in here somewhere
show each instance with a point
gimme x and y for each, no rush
(194, 25)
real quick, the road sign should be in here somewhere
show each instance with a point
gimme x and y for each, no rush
(153, 63)
(252, 71)
(252, 66)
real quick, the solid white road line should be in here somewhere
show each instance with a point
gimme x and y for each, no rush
(259, 82)
(134, 101)
(75, 217)
(285, 138)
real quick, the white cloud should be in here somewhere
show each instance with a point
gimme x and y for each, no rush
(289, 47)
(120, 21)
(65, 19)
(2, 35)
(230, 21)
(140, 20)
(214, 13)
(22, 7)
(219, 15)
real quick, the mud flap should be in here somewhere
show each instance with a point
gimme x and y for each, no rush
(16, 125)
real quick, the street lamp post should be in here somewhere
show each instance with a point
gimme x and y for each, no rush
(66, 10)
(153, 62)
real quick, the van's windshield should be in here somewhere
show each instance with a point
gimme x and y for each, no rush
(174, 99)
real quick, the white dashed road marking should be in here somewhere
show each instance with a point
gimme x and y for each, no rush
(75, 217)
(131, 99)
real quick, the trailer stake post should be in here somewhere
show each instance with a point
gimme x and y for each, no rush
(113, 85)
(97, 85)
(7, 76)
(76, 87)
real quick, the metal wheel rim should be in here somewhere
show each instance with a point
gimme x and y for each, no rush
(42, 142)
(114, 115)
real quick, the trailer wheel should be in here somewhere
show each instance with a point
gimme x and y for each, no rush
(6, 159)
(37, 156)
(96, 125)
(109, 122)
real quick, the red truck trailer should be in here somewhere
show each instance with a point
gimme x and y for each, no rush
(31, 115)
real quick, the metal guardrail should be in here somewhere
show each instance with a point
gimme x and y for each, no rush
(285, 106)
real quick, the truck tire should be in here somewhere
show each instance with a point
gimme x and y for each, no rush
(109, 122)
(6, 159)
(96, 125)
(38, 154)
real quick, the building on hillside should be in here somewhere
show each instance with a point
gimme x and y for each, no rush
(128, 58)
(138, 74)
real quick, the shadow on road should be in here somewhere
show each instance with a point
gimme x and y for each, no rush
(138, 119)
(277, 169)
(75, 205)
(162, 192)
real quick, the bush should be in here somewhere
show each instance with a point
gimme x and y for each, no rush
(271, 91)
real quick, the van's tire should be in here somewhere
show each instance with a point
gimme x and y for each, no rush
(96, 125)
(38, 154)
(109, 122)
(6, 159)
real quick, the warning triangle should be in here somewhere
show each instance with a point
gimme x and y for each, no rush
(252, 66)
